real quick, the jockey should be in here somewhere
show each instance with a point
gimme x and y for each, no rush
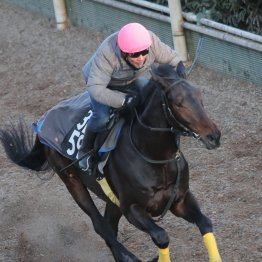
(117, 67)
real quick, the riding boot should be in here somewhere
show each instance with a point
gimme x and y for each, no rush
(87, 146)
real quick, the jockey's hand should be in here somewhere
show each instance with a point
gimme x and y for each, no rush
(130, 102)
(181, 70)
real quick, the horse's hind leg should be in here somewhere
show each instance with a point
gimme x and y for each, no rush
(188, 209)
(101, 225)
(81, 195)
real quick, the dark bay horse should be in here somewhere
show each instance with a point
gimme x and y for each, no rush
(147, 172)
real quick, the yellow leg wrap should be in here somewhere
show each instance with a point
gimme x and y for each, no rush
(211, 245)
(107, 190)
(164, 255)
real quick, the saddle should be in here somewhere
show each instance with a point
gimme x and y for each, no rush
(63, 126)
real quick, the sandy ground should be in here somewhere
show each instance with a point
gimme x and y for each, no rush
(40, 66)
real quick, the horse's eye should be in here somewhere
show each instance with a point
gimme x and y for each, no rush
(177, 106)
(178, 102)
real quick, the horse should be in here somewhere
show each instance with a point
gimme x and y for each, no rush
(146, 172)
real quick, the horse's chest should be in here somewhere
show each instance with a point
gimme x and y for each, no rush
(157, 201)
(164, 188)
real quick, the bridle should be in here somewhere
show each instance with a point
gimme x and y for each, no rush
(171, 119)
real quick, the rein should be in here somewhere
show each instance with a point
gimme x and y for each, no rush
(147, 159)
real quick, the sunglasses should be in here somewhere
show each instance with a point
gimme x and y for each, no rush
(137, 54)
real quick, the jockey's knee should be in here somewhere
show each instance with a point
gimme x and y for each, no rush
(99, 119)
(98, 124)
(101, 123)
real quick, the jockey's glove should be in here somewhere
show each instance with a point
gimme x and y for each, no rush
(130, 102)
(181, 70)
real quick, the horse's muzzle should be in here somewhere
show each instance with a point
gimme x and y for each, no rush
(211, 140)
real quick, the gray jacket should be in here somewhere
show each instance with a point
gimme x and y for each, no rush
(108, 67)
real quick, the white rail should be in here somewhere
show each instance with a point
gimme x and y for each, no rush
(190, 17)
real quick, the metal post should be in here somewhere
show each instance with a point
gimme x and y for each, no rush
(60, 14)
(179, 39)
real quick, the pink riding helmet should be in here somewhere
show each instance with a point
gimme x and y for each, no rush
(133, 38)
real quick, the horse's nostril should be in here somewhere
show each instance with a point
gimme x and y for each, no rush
(214, 137)
(210, 137)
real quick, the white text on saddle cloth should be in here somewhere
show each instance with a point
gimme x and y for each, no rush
(77, 135)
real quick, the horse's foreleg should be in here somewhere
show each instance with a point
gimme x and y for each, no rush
(143, 221)
(188, 209)
(113, 215)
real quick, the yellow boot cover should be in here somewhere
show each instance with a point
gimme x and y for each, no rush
(164, 255)
(107, 190)
(211, 245)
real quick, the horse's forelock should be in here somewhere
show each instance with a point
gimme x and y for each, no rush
(164, 74)
(163, 70)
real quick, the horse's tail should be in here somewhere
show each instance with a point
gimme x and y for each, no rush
(20, 148)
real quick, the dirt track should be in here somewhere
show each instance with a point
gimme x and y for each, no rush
(40, 66)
